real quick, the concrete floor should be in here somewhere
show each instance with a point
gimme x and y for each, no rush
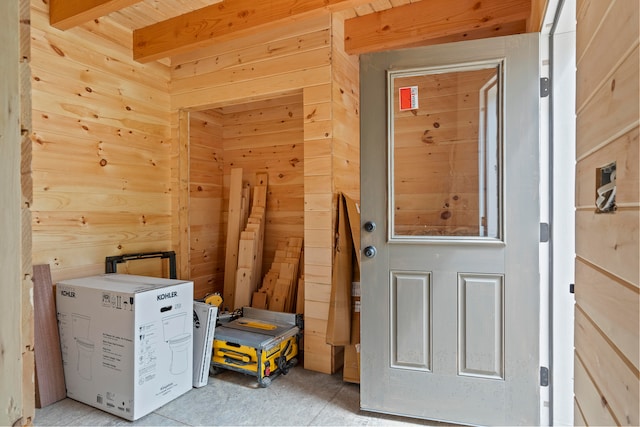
(301, 398)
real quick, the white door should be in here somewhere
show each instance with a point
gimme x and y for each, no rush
(450, 211)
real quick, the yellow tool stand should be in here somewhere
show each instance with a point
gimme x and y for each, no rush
(261, 343)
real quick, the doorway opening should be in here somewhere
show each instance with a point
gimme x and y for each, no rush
(257, 136)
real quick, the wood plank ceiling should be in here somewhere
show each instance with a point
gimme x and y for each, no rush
(162, 28)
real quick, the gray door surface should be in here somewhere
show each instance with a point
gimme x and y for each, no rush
(450, 212)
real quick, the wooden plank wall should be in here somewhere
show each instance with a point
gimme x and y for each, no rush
(17, 389)
(264, 65)
(607, 255)
(332, 150)
(345, 98)
(206, 222)
(101, 147)
(111, 171)
(319, 217)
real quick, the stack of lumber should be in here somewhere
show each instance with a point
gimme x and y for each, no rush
(245, 236)
(283, 285)
(249, 268)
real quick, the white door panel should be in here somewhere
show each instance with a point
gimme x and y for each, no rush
(450, 299)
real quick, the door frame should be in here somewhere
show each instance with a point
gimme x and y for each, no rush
(559, 132)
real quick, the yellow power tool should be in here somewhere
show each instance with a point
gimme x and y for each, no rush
(214, 299)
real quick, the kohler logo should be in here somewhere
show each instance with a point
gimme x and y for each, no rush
(66, 293)
(167, 295)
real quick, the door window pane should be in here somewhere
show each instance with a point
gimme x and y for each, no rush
(445, 139)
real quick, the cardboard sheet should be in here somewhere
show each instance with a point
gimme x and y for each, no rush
(339, 322)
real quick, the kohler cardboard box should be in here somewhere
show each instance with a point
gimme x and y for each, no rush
(127, 341)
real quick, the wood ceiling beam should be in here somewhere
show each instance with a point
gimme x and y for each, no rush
(225, 20)
(431, 21)
(508, 29)
(66, 14)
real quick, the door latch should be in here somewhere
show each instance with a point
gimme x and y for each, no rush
(369, 226)
(370, 251)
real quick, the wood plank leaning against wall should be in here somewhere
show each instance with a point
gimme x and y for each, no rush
(607, 254)
(101, 147)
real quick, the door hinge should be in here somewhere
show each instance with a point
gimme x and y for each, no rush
(544, 376)
(545, 87)
(544, 232)
(572, 288)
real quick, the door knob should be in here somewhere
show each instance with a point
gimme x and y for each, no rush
(369, 226)
(370, 251)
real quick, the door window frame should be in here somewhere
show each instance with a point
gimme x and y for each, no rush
(499, 64)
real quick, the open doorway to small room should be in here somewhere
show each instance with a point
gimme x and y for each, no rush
(258, 136)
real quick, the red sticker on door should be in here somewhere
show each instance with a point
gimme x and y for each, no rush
(408, 97)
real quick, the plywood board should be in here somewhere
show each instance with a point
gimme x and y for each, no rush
(259, 300)
(50, 385)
